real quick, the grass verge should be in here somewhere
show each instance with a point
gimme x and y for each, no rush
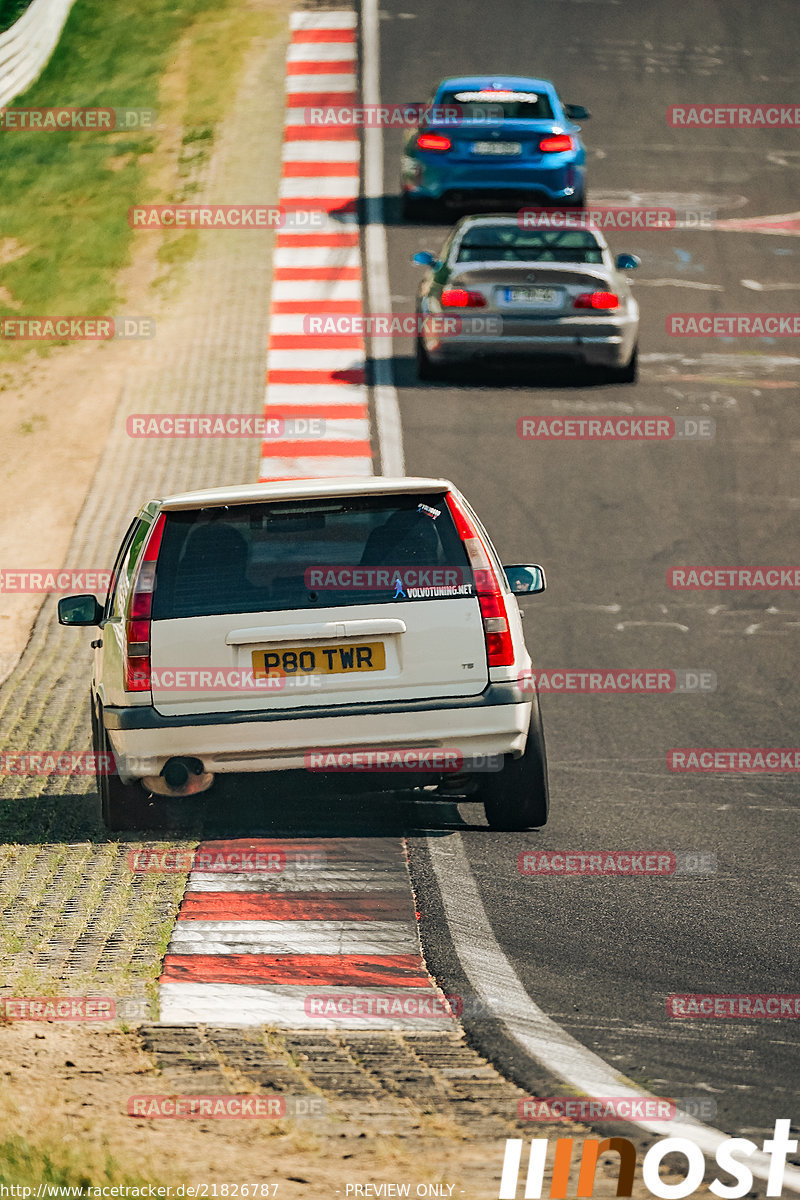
(26, 1165)
(64, 235)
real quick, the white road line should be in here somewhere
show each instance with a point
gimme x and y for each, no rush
(682, 283)
(499, 987)
(284, 1005)
(387, 404)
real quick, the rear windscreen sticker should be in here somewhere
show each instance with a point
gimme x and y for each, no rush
(433, 513)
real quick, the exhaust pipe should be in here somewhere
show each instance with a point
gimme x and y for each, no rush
(180, 777)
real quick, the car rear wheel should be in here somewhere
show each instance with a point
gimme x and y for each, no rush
(630, 371)
(123, 806)
(426, 367)
(517, 796)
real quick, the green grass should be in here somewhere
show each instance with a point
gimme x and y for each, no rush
(65, 195)
(11, 11)
(27, 1165)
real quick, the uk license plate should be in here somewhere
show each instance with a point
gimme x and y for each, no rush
(341, 659)
(497, 147)
(543, 297)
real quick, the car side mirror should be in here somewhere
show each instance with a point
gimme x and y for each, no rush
(627, 262)
(424, 258)
(526, 580)
(576, 112)
(79, 610)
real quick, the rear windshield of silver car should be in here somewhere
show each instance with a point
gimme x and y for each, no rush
(489, 104)
(509, 243)
(298, 554)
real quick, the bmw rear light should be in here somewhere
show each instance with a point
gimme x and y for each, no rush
(597, 300)
(462, 298)
(434, 141)
(137, 616)
(556, 144)
(496, 632)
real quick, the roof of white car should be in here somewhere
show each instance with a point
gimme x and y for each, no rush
(304, 489)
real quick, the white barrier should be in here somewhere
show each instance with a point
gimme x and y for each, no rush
(26, 47)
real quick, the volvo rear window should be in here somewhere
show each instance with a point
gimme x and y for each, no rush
(505, 104)
(306, 554)
(509, 243)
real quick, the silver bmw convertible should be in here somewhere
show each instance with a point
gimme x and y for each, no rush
(500, 290)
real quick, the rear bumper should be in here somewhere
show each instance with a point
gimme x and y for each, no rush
(467, 182)
(496, 722)
(609, 347)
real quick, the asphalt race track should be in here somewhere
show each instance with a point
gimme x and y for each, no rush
(600, 955)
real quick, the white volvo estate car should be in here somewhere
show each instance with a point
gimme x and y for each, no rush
(344, 627)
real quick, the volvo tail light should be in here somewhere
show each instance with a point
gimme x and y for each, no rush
(496, 631)
(137, 615)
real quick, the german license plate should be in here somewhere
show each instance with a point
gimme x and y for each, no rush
(541, 296)
(497, 147)
(341, 659)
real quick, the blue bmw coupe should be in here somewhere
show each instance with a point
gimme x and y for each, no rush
(494, 140)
